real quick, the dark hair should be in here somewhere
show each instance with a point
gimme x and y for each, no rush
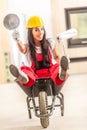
(44, 47)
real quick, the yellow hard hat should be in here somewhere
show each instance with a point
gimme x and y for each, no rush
(34, 21)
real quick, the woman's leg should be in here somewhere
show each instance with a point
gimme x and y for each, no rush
(25, 76)
(16, 73)
(59, 77)
(64, 67)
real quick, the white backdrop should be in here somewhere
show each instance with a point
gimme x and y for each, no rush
(33, 7)
(24, 9)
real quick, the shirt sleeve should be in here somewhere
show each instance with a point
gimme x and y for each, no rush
(52, 43)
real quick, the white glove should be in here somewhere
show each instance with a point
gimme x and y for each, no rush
(16, 35)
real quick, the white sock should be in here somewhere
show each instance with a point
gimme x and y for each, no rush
(24, 75)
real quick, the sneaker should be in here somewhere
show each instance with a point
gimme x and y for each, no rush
(64, 67)
(15, 72)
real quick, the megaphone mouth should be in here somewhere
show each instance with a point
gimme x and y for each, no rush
(11, 21)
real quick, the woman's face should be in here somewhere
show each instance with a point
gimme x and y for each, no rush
(38, 34)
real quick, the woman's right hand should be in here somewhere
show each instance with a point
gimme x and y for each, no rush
(16, 35)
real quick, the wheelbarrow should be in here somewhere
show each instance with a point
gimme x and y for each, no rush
(38, 99)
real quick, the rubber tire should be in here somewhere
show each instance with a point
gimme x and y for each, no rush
(43, 109)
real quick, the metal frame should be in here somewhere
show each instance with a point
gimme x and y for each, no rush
(50, 108)
(47, 85)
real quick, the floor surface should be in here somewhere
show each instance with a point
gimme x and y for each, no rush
(14, 113)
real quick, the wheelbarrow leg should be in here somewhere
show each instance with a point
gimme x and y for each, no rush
(61, 98)
(28, 99)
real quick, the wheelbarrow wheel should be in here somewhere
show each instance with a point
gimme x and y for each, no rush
(43, 109)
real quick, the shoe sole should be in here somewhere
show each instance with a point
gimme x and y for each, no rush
(64, 63)
(64, 67)
(14, 71)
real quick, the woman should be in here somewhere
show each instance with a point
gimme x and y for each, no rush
(41, 54)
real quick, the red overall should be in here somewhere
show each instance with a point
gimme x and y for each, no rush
(52, 72)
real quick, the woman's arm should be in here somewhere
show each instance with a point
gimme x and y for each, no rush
(56, 55)
(54, 51)
(22, 47)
